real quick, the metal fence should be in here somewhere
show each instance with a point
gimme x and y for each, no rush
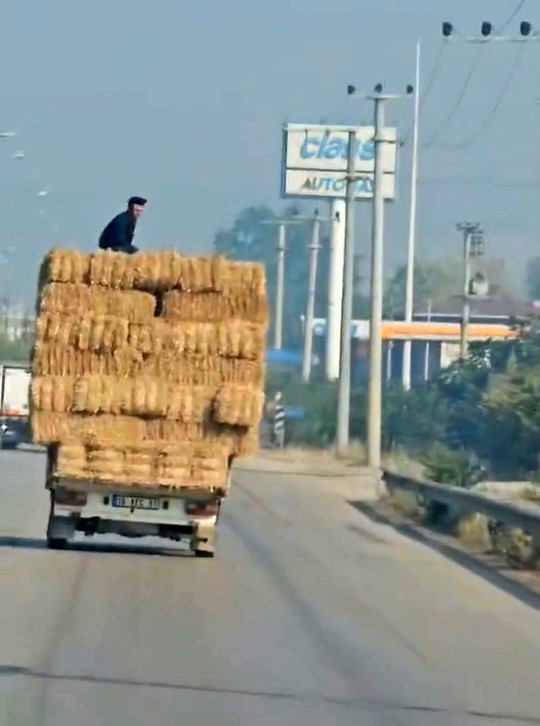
(524, 516)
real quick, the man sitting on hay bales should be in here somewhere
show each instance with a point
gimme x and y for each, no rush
(118, 234)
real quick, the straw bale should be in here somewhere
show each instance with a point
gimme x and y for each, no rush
(232, 339)
(154, 464)
(249, 276)
(49, 427)
(112, 269)
(71, 461)
(70, 298)
(53, 359)
(102, 333)
(54, 394)
(143, 396)
(64, 265)
(214, 307)
(239, 406)
(205, 370)
(157, 270)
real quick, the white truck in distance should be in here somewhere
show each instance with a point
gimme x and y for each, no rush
(14, 404)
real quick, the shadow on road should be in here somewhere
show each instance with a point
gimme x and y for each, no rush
(494, 573)
(100, 548)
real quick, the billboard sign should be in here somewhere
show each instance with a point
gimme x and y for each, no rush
(315, 161)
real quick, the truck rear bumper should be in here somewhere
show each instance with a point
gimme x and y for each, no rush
(100, 513)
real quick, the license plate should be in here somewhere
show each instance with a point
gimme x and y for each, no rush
(123, 502)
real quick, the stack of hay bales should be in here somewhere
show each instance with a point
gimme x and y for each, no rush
(148, 368)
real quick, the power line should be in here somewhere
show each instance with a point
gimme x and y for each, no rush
(512, 15)
(488, 183)
(489, 117)
(429, 85)
(446, 121)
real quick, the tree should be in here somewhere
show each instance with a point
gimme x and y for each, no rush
(532, 278)
(433, 281)
(250, 239)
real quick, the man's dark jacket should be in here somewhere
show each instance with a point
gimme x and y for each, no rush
(118, 234)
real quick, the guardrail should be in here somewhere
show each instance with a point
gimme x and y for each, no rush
(523, 516)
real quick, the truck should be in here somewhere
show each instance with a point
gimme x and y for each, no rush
(95, 507)
(14, 404)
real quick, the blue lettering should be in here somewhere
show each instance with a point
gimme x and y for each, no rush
(364, 186)
(328, 147)
(305, 152)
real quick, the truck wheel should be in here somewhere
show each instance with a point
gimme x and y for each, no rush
(204, 553)
(59, 531)
(55, 543)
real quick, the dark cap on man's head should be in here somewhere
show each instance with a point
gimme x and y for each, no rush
(139, 201)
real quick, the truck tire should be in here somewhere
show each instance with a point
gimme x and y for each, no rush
(56, 543)
(204, 553)
(59, 531)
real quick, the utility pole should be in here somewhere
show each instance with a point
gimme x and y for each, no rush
(409, 283)
(336, 268)
(344, 383)
(374, 413)
(314, 248)
(282, 224)
(472, 246)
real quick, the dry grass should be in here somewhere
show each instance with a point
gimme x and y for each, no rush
(407, 504)
(472, 531)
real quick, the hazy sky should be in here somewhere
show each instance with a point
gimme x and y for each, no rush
(183, 102)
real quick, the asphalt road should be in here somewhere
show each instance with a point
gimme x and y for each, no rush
(311, 614)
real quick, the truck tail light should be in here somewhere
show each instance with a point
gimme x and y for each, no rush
(68, 498)
(201, 509)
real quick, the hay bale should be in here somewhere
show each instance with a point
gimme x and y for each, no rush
(231, 339)
(48, 428)
(64, 265)
(53, 359)
(100, 334)
(238, 440)
(180, 306)
(249, 276)
(112, 269)
(153, 464)
(71, 461)
(53, 394)
(238, 406)
(209, 465)
(63, 299)
(211, 371)
(144, 396)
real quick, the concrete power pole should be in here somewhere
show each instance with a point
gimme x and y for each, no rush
(314, 248)
(472, 244)
(344, 384)
(374, 413)
(336, 264)
(409, 284)
(281, 224)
